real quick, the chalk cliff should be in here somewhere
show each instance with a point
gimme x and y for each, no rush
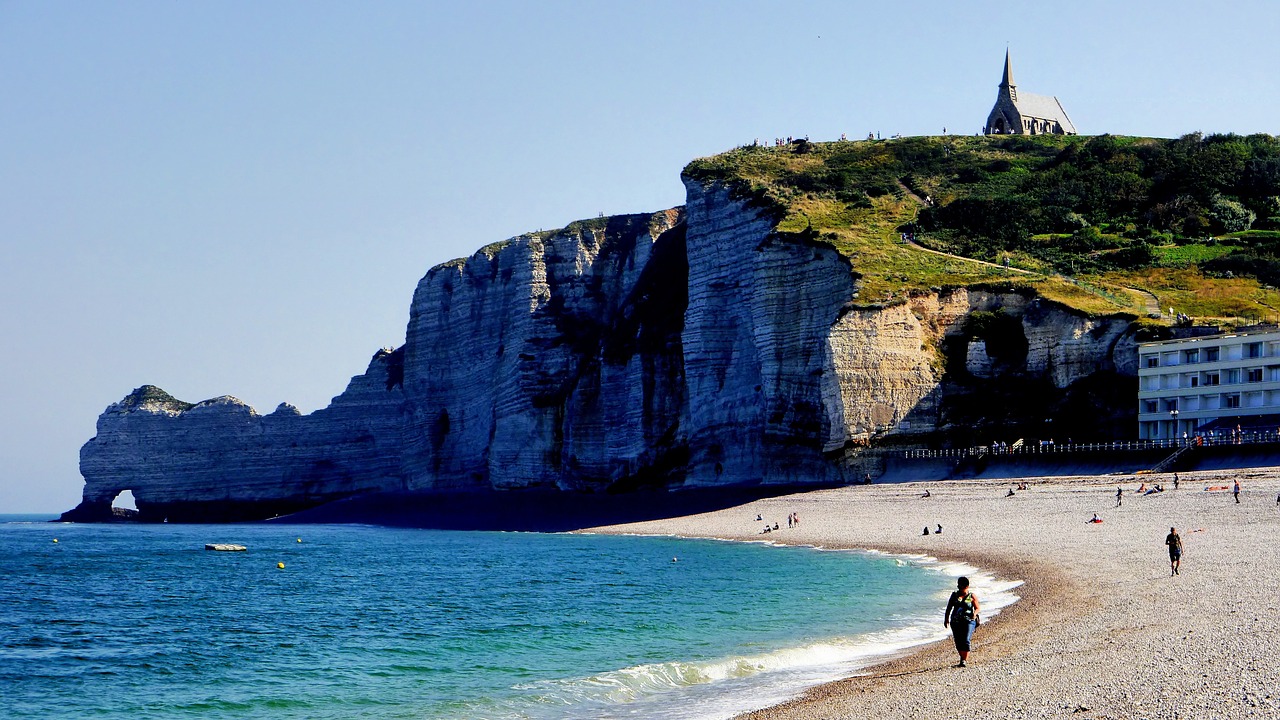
(221, 460)
(695, 347)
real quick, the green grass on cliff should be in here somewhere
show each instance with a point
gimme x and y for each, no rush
(152, 395)
(1103, 224)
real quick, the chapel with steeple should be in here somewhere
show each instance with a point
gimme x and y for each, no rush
(1023, 113)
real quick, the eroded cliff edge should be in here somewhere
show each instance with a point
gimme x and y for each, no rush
(695, 347)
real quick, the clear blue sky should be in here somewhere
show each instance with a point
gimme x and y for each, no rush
(239, 197)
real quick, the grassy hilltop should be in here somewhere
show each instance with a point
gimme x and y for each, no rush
(1103, 224)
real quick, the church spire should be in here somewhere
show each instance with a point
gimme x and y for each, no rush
(1007, 81)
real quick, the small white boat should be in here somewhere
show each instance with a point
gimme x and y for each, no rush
(225, 547)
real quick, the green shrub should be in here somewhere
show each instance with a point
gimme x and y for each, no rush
(1196, 226)
(1229, 215)
(1130, 258)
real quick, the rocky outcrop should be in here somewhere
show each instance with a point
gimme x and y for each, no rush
(965, 363)
(692, 348)
(757, 358)
(221, 460)
(553, 361)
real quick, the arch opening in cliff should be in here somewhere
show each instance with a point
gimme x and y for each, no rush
(124, 500)
(124, 506)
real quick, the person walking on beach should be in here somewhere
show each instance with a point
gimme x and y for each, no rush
(1235, 491)
(1119, 496)
(961, 616)
(1174, 541)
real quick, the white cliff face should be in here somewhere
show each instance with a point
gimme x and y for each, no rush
(892, 371)
(884, 361)
(977, 361)
(171, 453)
(755, 346)
(692, 347)
(547, 362)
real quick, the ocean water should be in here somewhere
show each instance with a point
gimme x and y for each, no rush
(139, 621)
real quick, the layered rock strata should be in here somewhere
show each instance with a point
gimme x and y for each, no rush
(695, 347)
(553, 361)
(221, 460)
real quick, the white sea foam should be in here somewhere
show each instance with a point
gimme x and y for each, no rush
(722, 688)
(727, 686)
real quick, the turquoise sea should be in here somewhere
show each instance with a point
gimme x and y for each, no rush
(140, 621)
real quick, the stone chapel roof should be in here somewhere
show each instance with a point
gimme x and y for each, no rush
(1045, 107)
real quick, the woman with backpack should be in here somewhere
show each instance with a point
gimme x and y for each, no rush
(961, 616)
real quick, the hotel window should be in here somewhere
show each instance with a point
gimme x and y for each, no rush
(1150, 406)
(1233, 377)
(1255, 374)
(1211, 378)
(1253, 350)
(1194, 381)
(1152, 360)
(1231, 401)
(1191, 356)
(1211, 354)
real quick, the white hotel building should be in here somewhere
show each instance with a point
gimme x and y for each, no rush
(1185, 385)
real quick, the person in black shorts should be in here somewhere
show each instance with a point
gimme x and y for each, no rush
(1174, 541)
(961, 616)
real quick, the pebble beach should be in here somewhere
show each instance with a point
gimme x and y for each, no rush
(1102, 630)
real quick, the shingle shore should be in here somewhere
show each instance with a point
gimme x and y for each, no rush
(1102, 630)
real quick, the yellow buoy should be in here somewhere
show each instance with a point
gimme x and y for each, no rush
(55, 539)
(280, 565)
(299, 539)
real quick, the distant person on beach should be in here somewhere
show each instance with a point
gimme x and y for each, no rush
(1010, 493)
(1235, 491)
(926, 494)
(1175, 481)
(961, 616)
(926, 530)
(938, 531)
(1174, 541)
(1095, 519)
(1119, 496)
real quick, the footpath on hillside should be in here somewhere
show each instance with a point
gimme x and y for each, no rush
(1151, 304)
